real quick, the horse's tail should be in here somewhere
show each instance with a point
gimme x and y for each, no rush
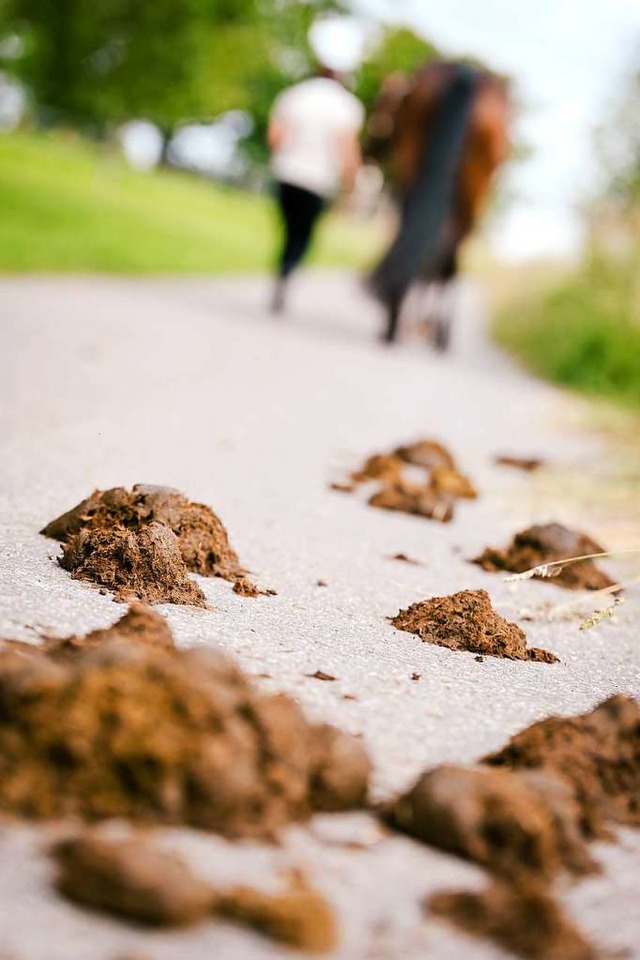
(415, 250)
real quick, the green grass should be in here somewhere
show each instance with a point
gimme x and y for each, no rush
(68, 206)
(584, 333)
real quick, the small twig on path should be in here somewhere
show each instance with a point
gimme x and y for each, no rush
(555, 567)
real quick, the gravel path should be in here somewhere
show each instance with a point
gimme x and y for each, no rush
(189, 383)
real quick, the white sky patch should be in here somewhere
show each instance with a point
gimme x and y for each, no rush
(339, 42)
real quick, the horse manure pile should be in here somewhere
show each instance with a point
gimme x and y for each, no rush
(299, 916)
(562, 780)
(131, 878)
(414, 499)
(420, 479)
(137, 881)
(598, 753)
(514, 824)
(467, 621)
(526, 464)
(523, 919)
(549, 543)
(143, 543)
(122, 724)
(140, 626)
(526, 815)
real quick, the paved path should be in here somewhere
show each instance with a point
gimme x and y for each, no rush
(189, 383)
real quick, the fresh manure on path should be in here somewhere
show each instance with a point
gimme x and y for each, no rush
(527, 814)
(596, 753)
(140, 882)
(467, 621)
(526, 464)
(524, 919)
(550, 543)
(122, 724)
(421, 478)
(143, 543)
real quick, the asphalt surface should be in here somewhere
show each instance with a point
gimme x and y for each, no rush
(191, 384)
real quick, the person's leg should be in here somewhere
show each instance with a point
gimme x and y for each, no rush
(300, 210)
(282, 193)
(286, 196)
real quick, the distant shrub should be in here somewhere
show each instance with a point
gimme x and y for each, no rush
(584, 334)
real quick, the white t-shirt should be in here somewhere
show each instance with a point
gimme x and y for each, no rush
(314, 114)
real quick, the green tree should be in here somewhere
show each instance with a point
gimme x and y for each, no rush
(91, 62)
(256, 53)
(88, 62)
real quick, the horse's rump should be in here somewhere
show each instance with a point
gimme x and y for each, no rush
(448, 137)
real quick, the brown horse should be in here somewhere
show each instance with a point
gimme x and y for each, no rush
(443, 134)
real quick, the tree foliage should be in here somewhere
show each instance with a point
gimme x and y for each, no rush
(91, 63)
(253, 57)
(399, 50)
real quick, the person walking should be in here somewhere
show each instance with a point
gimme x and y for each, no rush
(313, 136)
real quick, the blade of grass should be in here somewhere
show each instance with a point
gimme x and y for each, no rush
(555, 567)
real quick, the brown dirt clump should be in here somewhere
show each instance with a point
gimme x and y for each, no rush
(412, 498)
(125, 729)
(426, 453)
(515, 825)
(564, 780)
(135, 880)
(342, 487)
(132, 879)
(448, 482)
(204, 542)
(380, 466)
(467, 621)
(144, 542)
(527, 464)
(596, 753)
(299, 917)
(548, 543)
(247, 588)
(524, 919)
(405, 558)
(145, 563)
(139, 626)
(399, 485)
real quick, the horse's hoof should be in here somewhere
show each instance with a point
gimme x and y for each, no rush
(276, 307)
(442, 336)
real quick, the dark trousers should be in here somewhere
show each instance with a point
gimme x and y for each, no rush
(300, 210)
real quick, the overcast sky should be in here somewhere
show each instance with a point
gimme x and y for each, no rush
(567, 56)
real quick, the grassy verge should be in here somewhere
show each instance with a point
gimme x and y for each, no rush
(69, 207)
(583, 333)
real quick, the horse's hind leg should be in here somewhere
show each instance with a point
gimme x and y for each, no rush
(446, 302)
(393, 317)
(444, 316)
(442, 332)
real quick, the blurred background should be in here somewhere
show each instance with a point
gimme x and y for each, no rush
(132, 140)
